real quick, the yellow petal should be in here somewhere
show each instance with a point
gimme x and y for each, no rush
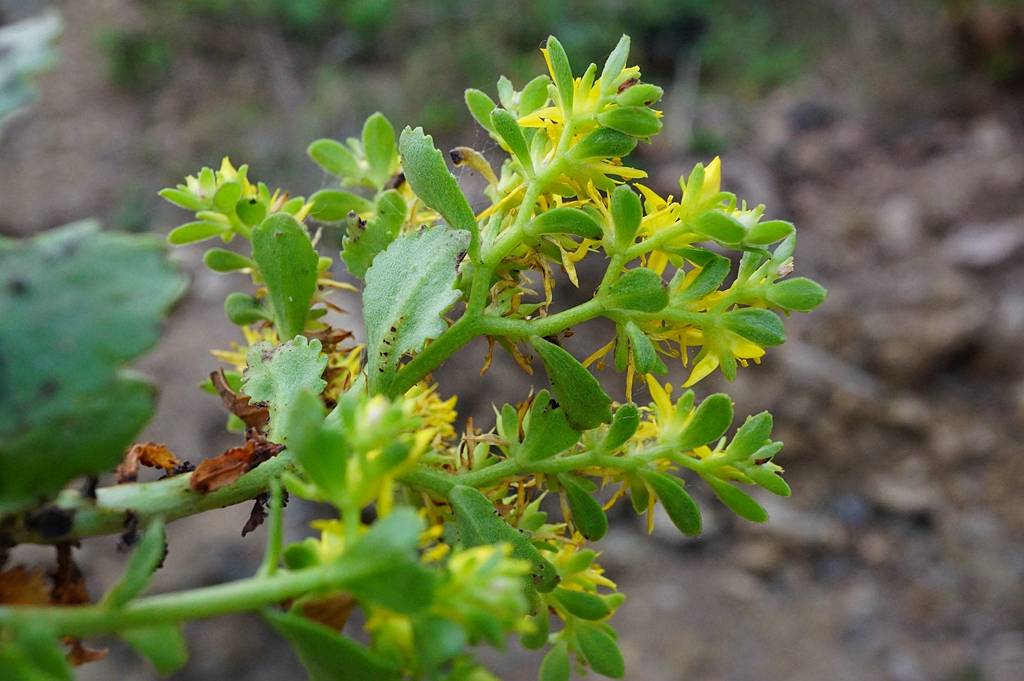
(701, 369)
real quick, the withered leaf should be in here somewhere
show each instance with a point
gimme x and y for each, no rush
(68, 581)
(224, 469)
(254, 416)
(257, 515)
(149, 454)
(21, 586)
(332, 611)
(79, 654)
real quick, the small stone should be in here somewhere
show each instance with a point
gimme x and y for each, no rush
(761, 557)
(986, 245)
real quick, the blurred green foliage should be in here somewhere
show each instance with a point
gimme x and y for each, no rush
(433, 48)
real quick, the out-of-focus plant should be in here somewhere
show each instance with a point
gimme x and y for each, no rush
(25, 50)
(461, 548)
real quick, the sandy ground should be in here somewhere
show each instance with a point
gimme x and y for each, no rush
(901, 554)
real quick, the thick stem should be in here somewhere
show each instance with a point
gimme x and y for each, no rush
(118, 506)
(238, 596)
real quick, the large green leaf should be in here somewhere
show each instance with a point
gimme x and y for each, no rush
(585, 403)
(288, 263)
(162, 644)
(433, 183)
(364, 240)
(326, 654)
(76, 305)
(278, 375)
(408, 288)
(479, 524)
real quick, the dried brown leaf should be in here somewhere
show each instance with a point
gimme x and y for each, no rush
(224, 469)
(79, 654)
(21, 586)
(149, 454)
(331, 611)
(253, 416)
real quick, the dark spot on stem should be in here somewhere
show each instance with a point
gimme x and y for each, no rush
(51, 522)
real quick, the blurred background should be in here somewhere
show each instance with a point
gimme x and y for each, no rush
(891, 133)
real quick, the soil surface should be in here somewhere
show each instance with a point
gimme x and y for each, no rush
(900, 555)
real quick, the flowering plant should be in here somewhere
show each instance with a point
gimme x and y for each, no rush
(442, 540)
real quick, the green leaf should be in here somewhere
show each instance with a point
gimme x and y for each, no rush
(548, 432)
(288, 263)
(555, 665)
(626, 214)
(750, 437)
(193, 232)
(614, 64)
(479, 524)
(480, 106)
(603, 143)
(334, 157)
(566, 220)
(162, 644)
(769, 479)
(379, 147)
(680, 506)
(429, 177)
(334, 205)
(723, 228)
(641, 94)
(582, 604)
(637, 121)
(580, 395)
(624, 425)
(251, 211)
(437, 640)
(708, 423)
(534, 95)
(645, 356)
(227, 196)
(386, 568)
(144, 561)
(76, 305)
(562, 72)
(320, 448)
(222, 260)
(511, 134)
(587, 514)
(33, 653)
(768, 232)
(242, 309)
(327, 655)
(540, 620)
(364, 241)
(183, 199)
(278, 375)
(755, 324)
(738, 501)
(714, 269)
(638, 289)
(800, 294)
(600, 650)
(408, 288)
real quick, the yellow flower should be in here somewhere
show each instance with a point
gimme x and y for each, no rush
(434, 413)
(723, 348)
(702, 191)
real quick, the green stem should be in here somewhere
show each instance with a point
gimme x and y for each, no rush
(542, 326)
(115, 507)
(663, 236)
(238, 596)
(440, 349)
